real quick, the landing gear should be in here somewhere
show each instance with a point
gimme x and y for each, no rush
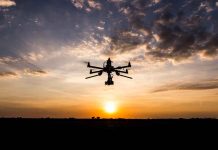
(109, 82)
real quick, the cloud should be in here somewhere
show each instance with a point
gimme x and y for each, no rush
(87, 5)
(34, 72)
(8, 60)
(171, 31)
(181, 38)
(33, 56)
(156, 1)
(17, 62)
(78, 3)
(166, 30)
(7, 3)
(20, 65)
(116, 1)
(136, 33)
(94, 4)
(125, 41)
(8, 74)
(200, 85)
(100, 28)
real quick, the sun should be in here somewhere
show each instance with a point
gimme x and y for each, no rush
(110, 107)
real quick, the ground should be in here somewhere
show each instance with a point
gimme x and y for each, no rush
(110, 131)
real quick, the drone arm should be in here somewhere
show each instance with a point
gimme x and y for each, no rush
(91, 72)
(125, 76)
(92, 76)
(121, 67)
(122, 71)
(89, 66)
(95, 67)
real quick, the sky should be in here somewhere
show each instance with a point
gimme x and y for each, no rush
(172, 46)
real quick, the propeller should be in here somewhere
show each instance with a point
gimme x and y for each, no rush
(98, 71)
(129, 64)
(92, 76)
(125, 76)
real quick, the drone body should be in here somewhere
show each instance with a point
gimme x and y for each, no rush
(109, 69)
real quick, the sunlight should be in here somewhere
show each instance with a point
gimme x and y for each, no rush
(110, 107)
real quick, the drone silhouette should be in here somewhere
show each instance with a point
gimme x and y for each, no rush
(109, 69)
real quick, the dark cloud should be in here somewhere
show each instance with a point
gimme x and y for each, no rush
(124, 41)
(135, 31)
(183, 28)
(182, 36)
(7, 74)
(200, 85)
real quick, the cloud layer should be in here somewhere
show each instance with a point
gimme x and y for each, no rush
(19, 65)
(7, 74)
(200, 85)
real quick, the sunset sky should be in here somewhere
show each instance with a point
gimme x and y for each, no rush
(172, 46)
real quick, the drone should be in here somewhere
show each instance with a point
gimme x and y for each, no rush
(109, 69)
